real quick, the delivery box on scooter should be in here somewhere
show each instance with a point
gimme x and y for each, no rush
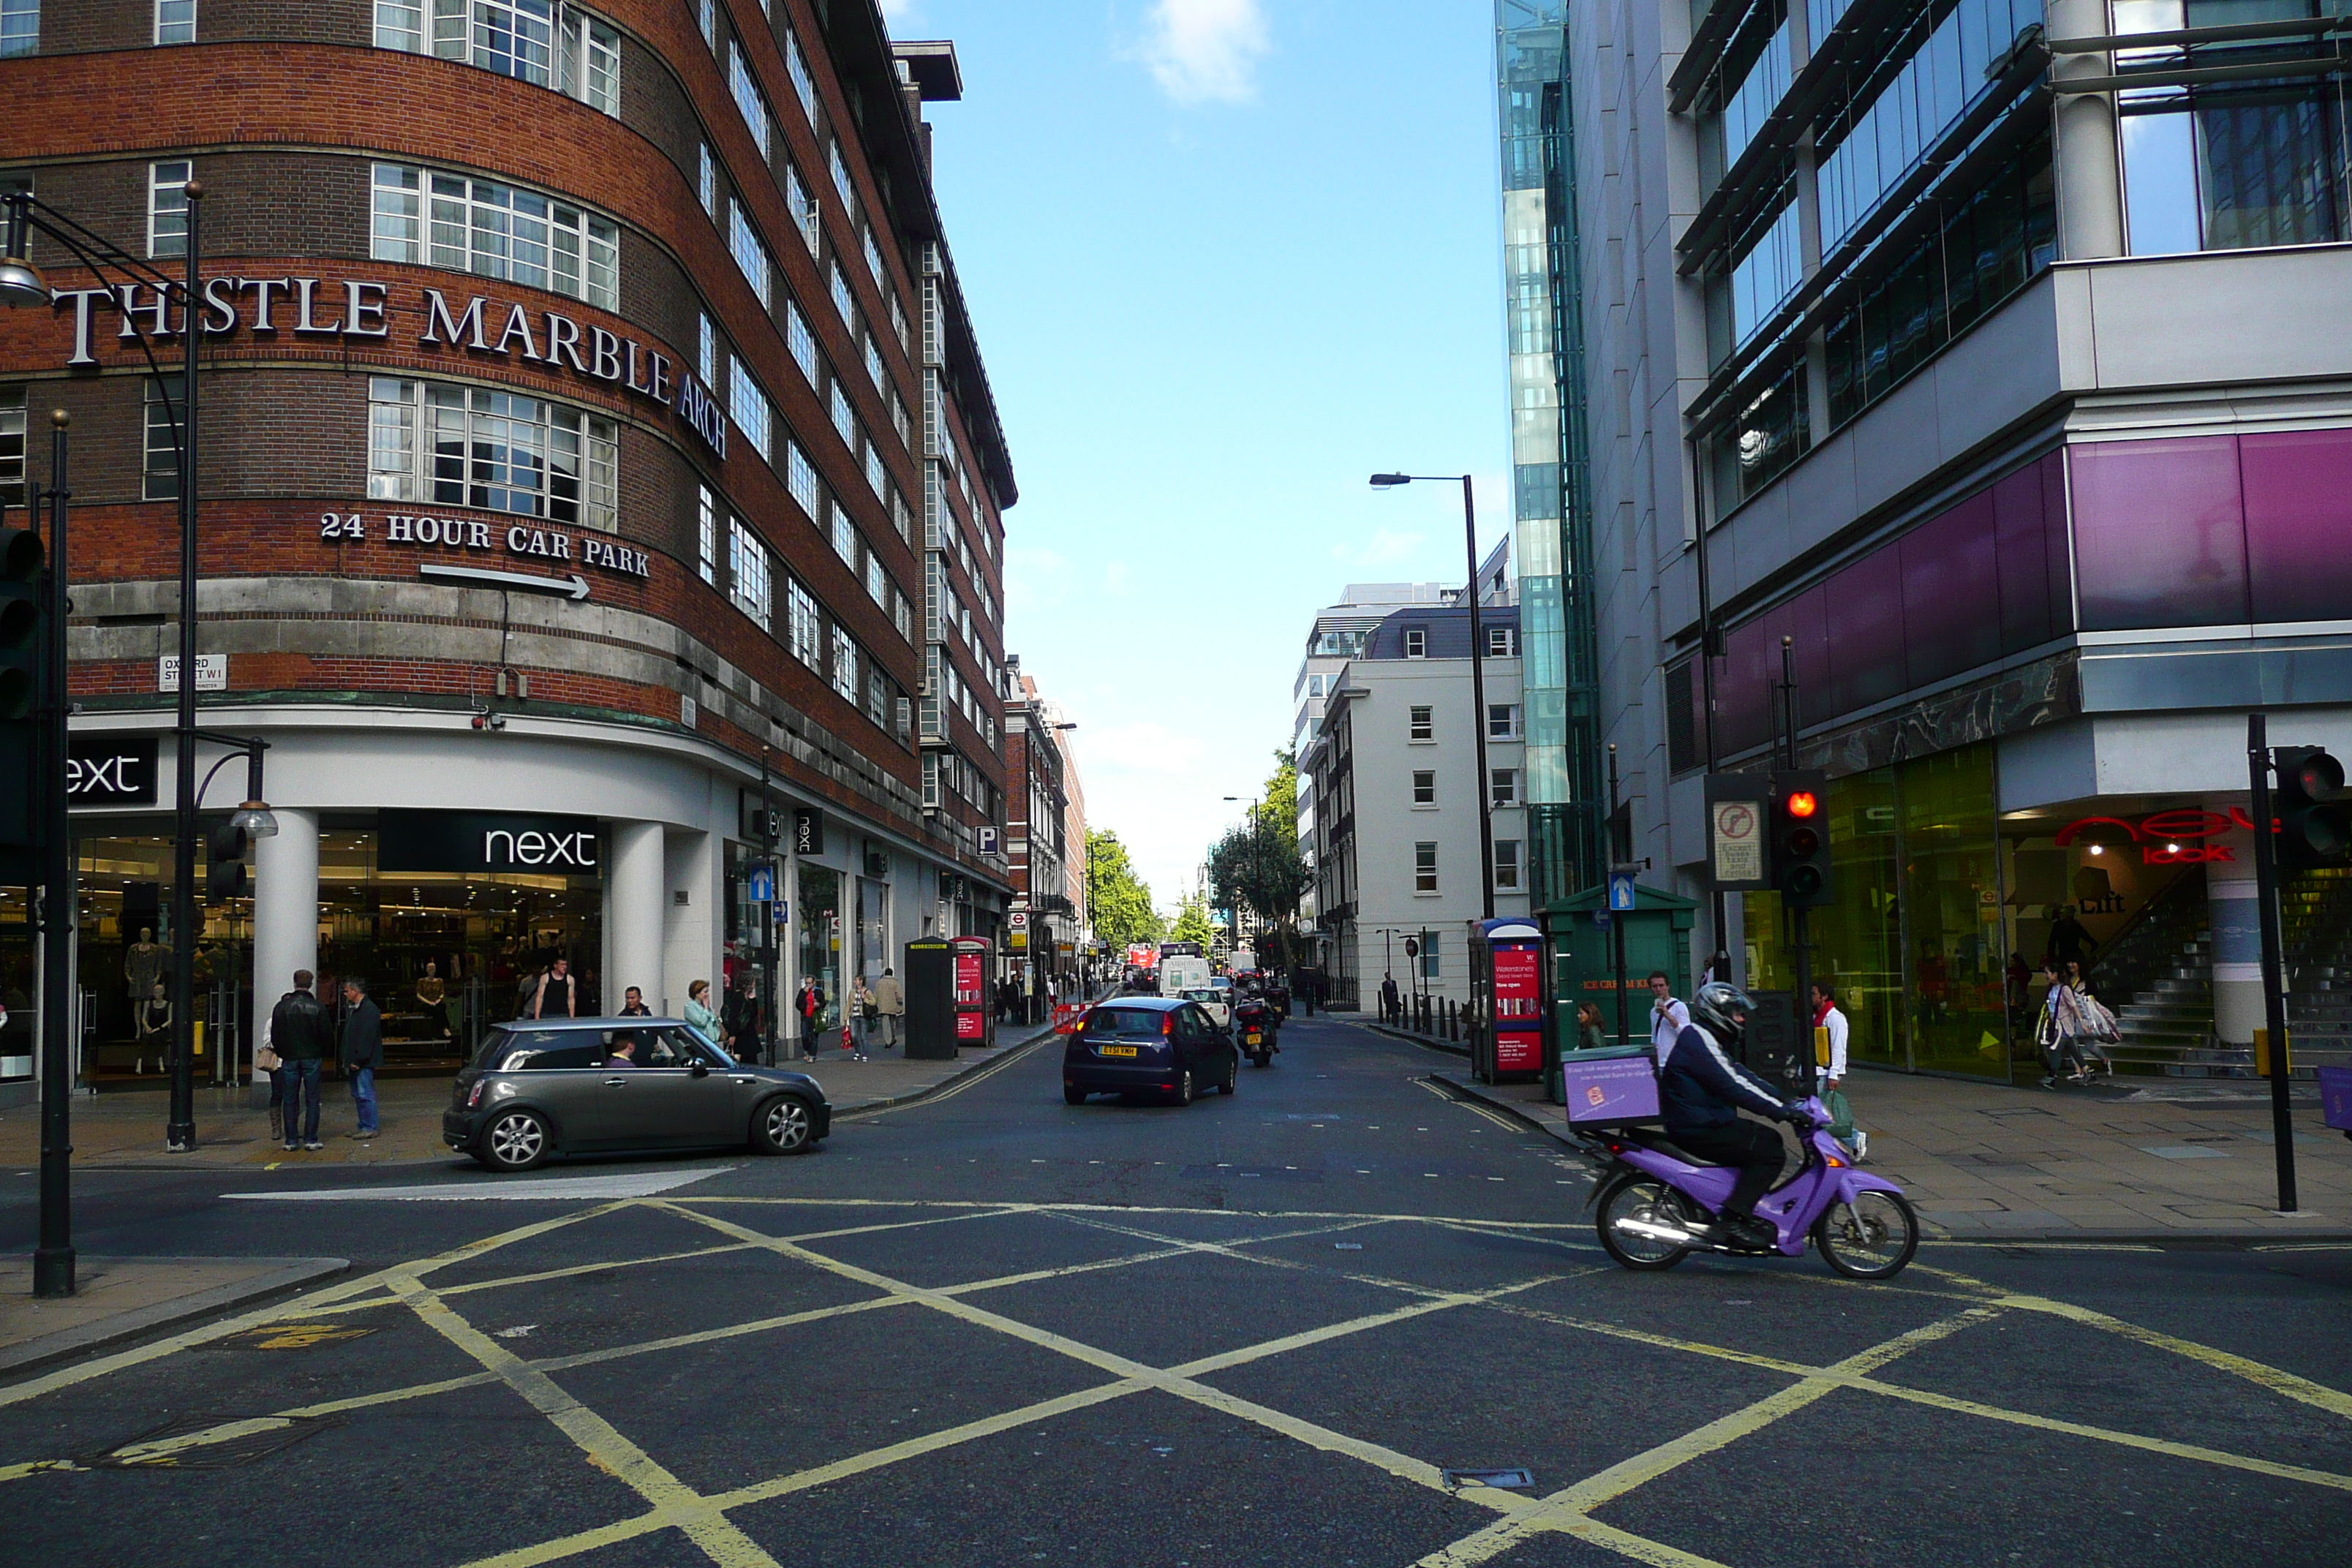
(1613, 1086)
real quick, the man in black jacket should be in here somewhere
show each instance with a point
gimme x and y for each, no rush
(298, 1033)
(362, 1050)
(1701, 1092)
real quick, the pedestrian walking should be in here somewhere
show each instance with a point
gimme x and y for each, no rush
(633, 1004)
(298, 1033)
(890, 1002)
(1829, 1074)
(1668, 1018)
(747, 1024)
(1389, 998)
(867, 1012)
(2055, 1031)
(698, 1015)
(1590, 1036)
(363, 1052)
(557, 993)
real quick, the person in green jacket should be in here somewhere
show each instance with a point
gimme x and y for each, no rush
(698, 1015)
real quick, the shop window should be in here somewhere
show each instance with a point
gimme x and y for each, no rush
(496, 230)
(500, 451)
(175, 21)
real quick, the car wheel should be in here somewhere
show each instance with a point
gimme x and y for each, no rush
(782, 1127)
(1233, 1074)
(1184, 1087)
(1073, 1095)
(514, 1141)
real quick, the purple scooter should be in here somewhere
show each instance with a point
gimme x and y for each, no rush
(1656, 1202)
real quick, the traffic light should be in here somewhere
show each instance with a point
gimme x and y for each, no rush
(21, 629)
(1801, 838)
(2312, 829)
(225, 876)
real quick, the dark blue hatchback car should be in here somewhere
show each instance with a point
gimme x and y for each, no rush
(1148, 1045)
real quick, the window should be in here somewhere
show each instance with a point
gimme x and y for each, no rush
(802, 207)
(748, 97)
(876, 475)
(1506, 865)
(1420, 724)
(843, 300)
(20, 26)
(748, 405)
(1432, 960)
(805, 645)
(874, 371)
(1502, 642)
(844, 665)
(706, 14)
(12, 445)
(841, 181)
(876, 585)
(845, 536)
(750, 254)
(844, 419)
(167, 209)
(707, 352)
(500, 451)
(747, 574)
(1424, 787)
(801, 475)
(1314, 686)
(1416, 642)
(543, 41)
(902, 616)
(1504, 787)
(797, 67)
(1424, 868)
(705, 181)
(802, 342)
(706, 534)
(877, 695)
(872, 256)
(496, 231)
(175, 21)
(1502, 721)
(160, 479)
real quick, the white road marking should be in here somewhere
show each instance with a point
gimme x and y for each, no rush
(634, 1184)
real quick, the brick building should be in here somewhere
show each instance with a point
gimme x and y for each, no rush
(1040, 844)
(646, 303)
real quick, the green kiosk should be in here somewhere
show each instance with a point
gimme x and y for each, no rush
(1581, 942)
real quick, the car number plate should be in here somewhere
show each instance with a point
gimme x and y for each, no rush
(1253, 1037)
(1116, 1050)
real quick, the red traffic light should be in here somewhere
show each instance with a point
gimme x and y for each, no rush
(1803, 803)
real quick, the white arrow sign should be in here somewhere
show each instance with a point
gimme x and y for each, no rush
(574, 587)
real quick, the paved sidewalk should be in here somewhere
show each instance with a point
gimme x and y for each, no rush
(117, 1299)
(125, 1129)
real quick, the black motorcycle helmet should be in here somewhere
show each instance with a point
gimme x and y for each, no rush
(1721, 1009)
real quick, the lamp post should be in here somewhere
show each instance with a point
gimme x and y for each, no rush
(1477, 676)
(21, 284)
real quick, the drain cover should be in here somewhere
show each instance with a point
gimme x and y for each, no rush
(1514, 1477)
(242, 1442)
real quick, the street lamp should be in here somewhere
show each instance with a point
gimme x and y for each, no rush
(21, 284)
(1477, 674)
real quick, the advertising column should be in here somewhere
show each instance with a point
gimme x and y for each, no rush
(1513, 966)
(975, 1021)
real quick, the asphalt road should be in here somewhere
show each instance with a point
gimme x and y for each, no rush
(994, 1328)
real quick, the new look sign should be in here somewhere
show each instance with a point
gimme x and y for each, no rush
(532, 843)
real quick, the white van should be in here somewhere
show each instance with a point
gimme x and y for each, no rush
(1179, 975)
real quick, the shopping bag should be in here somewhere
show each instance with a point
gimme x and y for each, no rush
(1841, 1112)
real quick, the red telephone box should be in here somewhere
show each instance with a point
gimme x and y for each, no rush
(1507, 984)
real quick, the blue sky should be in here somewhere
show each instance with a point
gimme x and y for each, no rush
(1226, 259)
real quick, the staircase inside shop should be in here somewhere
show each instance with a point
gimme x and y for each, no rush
(2158, 980)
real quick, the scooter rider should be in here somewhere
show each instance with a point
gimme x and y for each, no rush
(1701, 1092)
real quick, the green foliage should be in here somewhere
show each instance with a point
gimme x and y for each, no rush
(1122, 904)
(1193, 924)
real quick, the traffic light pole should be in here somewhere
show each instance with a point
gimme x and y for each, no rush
(1801, 917)
(52, 1255)
(2266, 878)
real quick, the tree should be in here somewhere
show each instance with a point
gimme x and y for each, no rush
(1256, 867)
(1123, 908)
(1193, 924)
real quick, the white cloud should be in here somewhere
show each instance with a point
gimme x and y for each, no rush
(1205, 51)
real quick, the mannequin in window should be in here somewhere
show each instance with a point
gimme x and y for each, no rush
(433, 995)
(153, 1017)
(142, 965)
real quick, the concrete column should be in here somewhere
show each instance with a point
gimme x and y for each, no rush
(285, 910)
(2237, 937)
(690, 931)
(633, 897)
(2090, 172)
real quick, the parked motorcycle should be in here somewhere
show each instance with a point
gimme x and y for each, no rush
(1256, 1030)
(1654, 1203)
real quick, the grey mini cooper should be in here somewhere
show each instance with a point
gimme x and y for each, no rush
(576, 1086)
